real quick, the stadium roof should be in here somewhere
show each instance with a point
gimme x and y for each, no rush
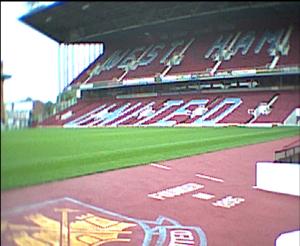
(69, 22)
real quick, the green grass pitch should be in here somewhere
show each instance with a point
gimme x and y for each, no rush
(35, 156)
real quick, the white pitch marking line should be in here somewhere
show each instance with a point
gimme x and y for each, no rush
(160, 166)
(31, 206)
(210, 178)
(203, 196)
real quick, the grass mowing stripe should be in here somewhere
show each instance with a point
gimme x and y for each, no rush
(118, 149)
(187, 143)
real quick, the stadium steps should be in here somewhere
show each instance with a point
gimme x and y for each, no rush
(133, 117)
(212, 102)
(110, 109)
(282, 108)
(81, 112)
(250, 100)
(133, 108)
(55, 119)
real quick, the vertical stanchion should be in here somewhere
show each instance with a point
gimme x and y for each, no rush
(67, 66)
(90, 53)
(59, 76)
(72, 63)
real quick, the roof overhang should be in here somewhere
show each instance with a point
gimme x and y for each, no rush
(72, 22)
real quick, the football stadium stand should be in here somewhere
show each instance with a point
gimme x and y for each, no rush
(236, 50)
(189, 64)
(194, 110)
(177, 64)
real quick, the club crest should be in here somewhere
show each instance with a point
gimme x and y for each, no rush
(67, 221)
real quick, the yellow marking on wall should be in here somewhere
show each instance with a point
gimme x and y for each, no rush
(43, 221)
(94, 230)
(64, 225)
(87, 229)
(24, 239)
(47, 231)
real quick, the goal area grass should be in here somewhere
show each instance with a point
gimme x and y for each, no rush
(35, 156)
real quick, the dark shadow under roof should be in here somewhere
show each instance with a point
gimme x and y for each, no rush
(72, 22)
